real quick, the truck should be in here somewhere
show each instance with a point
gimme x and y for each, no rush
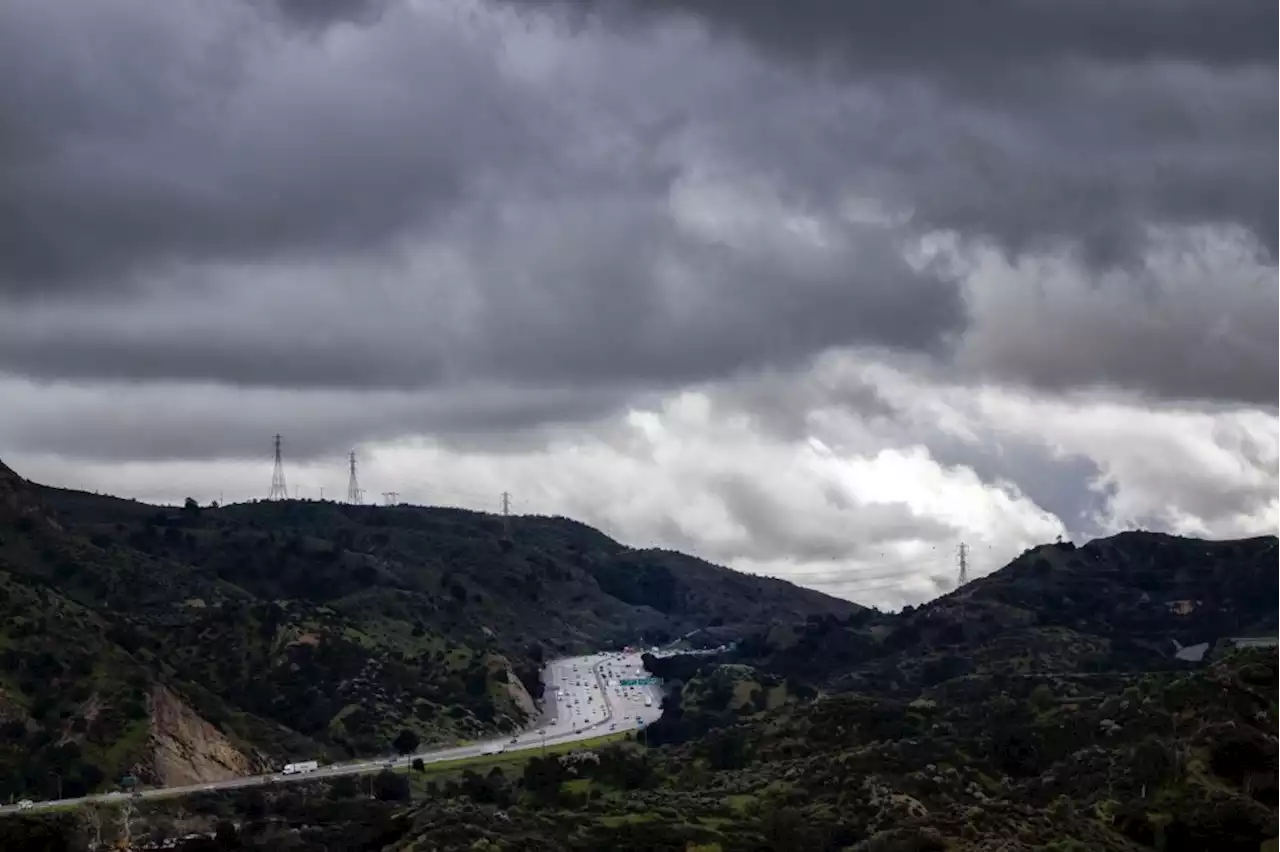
(494, 748)
(300, 768)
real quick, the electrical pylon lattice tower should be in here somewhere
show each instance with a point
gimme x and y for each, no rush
(278, 489)
(963, 558)
(353, 484)
(506, 515)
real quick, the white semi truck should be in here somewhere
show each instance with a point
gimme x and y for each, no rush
(300, 768)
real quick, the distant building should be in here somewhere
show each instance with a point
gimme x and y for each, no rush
(1181, 607)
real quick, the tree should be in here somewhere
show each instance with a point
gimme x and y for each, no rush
(389, 786)
(225, 834)
(344, 787)
(418, 765)
(406, 741)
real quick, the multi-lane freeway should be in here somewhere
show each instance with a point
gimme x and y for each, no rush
(583, 698)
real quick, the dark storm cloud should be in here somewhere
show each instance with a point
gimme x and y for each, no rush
(1059, 124)
(187, 224)
(165, 422)
(257, 194)
(1072, 128)
(944, 36)
(134, 136)
(594, 317)
(320, 13)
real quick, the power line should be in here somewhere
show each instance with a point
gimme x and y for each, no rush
(278, 489)
(353, 484)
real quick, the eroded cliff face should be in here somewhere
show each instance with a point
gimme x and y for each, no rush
(187, 749)
(520, 696)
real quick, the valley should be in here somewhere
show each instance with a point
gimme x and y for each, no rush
(458, 689)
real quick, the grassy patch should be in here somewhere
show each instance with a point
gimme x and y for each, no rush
(509, 763)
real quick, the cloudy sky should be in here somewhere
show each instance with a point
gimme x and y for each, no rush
(814, 289)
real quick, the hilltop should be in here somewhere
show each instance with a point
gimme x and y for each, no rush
(1136, 601)
(194, 643)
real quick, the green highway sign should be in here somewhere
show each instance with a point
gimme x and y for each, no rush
(639, 681)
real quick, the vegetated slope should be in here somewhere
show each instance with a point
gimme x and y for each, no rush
(1119, 604)
(1042, 737)
(206, 642)
(1180, 762)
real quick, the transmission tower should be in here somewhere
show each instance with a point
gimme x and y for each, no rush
(353, 484)
(278, 489)
(391, 497)
(963, 557)
(506, 515)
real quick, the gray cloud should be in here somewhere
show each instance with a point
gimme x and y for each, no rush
(1034, 124)
(137, 137)
(443, 198)
(773, 533)
(1072, 488)
(303, 211)
(322, 13)
(1196, 321)
(943, 37)
(106, 423)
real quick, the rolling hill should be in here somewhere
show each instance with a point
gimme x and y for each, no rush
(193, 643)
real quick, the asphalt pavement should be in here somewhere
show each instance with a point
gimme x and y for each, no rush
(583, 698)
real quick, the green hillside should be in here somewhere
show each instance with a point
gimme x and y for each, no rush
(197, 642)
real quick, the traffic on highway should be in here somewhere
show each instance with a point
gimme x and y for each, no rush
(583, 698)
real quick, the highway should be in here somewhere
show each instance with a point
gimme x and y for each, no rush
(579, 703)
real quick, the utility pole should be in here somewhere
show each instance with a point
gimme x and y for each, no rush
(278, 489)
(391, 497)
(353, 484)
(963, 554)
(506, 515)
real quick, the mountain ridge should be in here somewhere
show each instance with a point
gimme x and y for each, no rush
(308, 629)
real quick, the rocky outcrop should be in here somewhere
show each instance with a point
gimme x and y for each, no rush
(188, 750)
(520, 696)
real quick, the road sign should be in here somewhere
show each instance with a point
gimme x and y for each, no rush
(640, 681)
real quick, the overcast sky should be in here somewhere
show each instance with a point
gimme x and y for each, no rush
(813, 289)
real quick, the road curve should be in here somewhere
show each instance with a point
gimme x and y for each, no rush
(586, 707)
